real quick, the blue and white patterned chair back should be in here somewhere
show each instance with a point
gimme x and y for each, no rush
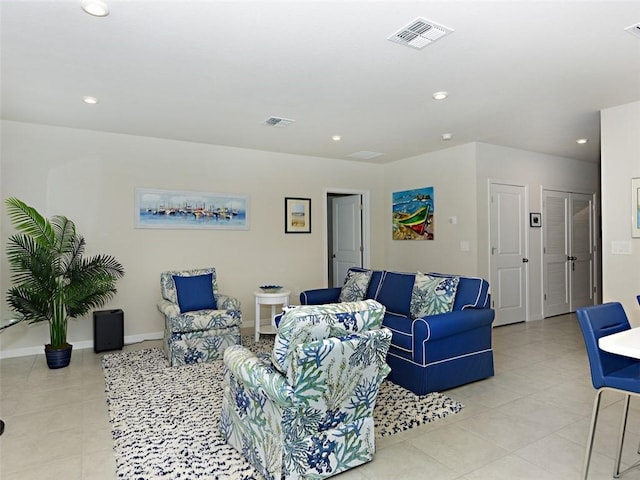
(309, 323)
(168, 286)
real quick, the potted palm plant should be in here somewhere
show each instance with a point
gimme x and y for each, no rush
(52, 282)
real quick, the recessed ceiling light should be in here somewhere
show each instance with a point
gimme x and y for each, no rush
(90, 100)
(446, 137)
(440, 95)
(96, 8)
(582, 141)
(336, 138)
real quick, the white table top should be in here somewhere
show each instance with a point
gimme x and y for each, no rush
(279, 293)
(625, 343)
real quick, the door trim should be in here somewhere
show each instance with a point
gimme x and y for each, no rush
(366, 232)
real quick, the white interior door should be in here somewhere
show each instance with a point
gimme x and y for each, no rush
(555, 253)
(508, 253)
(347, 236)
(582, 251)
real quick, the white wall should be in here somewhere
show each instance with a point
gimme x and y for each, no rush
(460, 177)
(90, 177)
(452, 174)
(536, 172)
(620, 127)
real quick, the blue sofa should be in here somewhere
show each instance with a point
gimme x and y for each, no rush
(434, 352)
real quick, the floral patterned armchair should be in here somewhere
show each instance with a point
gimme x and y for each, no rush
(306, 410)
(200, 323)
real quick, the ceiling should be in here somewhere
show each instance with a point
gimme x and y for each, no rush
(526, 74)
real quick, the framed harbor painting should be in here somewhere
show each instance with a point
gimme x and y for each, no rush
(413, 214)
(297, 215)
(173, 209)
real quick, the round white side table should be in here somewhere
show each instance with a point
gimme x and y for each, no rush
(269, 298)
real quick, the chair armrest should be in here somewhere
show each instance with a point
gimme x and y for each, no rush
(168, 308)
(320, 296)
(258, 375)
(225, 302)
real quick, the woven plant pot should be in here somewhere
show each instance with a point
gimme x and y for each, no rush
(59, 357)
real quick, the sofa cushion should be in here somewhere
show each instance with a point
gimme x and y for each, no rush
(395, 292)
(374, 283)
(472, 292)
(355, 286)
(195, 292)
(432, 295)
(401, 328)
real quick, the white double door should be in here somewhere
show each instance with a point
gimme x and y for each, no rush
(568, 252)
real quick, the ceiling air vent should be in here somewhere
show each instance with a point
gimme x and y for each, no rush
(364, 155)
(420, 33)
(278, 122)
(634, 29)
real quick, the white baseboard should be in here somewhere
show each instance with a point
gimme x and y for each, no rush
(36, 350)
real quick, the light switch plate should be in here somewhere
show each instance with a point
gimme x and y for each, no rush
(621, 247)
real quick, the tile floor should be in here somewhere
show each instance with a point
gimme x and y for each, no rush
(530, 421)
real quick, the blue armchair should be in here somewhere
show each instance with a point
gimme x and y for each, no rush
(306, 410)
(200, 323)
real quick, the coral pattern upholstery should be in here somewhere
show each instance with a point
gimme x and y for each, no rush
(201, 335)
(306, 410)
(434, 352)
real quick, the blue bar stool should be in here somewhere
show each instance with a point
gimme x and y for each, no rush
(608, 371)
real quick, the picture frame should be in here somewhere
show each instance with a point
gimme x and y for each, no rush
(535, 220)
(413, 214)
(297, 215)
(181, 209)
(635, 208)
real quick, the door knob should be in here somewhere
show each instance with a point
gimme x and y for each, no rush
(525, 260)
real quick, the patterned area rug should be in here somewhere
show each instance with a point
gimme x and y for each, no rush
(165, 420)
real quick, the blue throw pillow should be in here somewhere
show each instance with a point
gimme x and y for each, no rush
(195, 293)
(395, 292)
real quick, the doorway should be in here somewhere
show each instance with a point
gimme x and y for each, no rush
(347, 239)
(507, 232)
(568, 252)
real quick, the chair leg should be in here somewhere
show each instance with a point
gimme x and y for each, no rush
(592, 431)
(623, 428)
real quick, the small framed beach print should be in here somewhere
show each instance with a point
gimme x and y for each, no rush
(635, 207)
(297, 215)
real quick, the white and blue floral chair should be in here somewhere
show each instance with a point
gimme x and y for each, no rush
(306, 410)
(200, 323)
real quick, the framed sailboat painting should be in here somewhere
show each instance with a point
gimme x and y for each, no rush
(192, 210)
(413, 214)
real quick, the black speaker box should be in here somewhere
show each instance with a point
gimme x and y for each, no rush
(108, 330)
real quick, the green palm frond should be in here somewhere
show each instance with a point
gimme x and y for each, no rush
(27, 220)
(64, 233)
(33, 306)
